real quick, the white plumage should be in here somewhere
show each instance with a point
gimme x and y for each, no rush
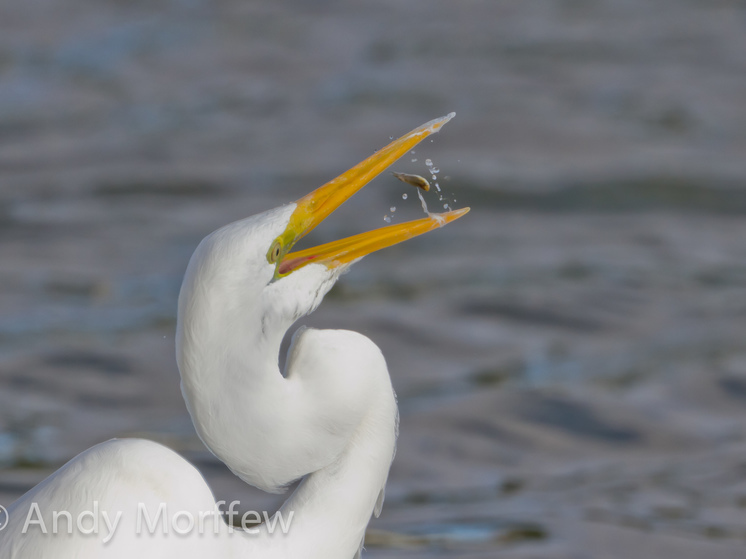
(330, 417)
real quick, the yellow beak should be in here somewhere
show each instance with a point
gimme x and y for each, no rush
(313, 208)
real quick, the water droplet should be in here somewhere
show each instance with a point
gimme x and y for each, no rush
(414, 159)
(387, 219)
(391, 137)
(392, 209)
(454, 200)
(433, 177)
(446, 206)
(435, 170)
(429, 162)
(437, 186)
(422, 201)
(404, 196)
(412, 152)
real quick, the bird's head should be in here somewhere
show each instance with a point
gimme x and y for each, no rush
(252, 259)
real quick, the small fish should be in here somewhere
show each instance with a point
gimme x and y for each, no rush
(414, 180)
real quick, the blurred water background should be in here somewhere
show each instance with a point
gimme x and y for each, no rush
(569, 358)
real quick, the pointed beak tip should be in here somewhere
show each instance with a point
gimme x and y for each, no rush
(455, 214)
(435, 125)
(449, 216)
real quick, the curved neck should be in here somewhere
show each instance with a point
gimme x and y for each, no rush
(331, 508)
(268, 429)
(233, 387)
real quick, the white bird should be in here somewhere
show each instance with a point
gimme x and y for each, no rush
(331, 416)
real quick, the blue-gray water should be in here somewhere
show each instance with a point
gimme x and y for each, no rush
(569, 357)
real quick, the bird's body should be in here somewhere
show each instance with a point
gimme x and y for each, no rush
(331, 416)
(109, 481)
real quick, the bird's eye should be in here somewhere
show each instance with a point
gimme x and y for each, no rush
(274, 252)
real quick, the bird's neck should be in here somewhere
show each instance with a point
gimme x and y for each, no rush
(332, 507)
(229, 373)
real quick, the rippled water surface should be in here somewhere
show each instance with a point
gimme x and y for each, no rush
(569, 357)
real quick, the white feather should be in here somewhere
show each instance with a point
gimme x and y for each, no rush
(331, 417)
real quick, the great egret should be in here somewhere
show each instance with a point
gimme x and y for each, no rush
(332, 416)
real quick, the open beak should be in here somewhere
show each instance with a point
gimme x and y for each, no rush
(313, 208)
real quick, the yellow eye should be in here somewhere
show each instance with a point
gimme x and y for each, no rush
(274, 252)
